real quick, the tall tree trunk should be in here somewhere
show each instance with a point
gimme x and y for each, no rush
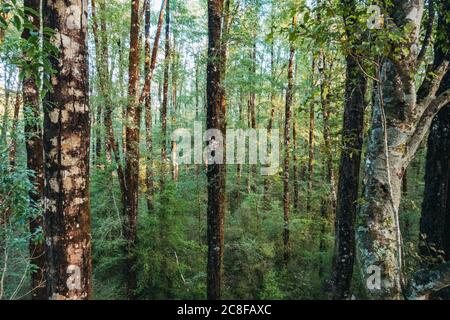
(251, 183)
(311, 153)
(330, 202)
(287, 146)
(175, 58)
(349, 166)
(148, 112)
(272, 107)
(66, 149)
(216, 172)
(435, 220)
(165, 98)
(15, 123)
(102, 57)
(132, 154)
(35, 159)
(401, 119)
(295, 150)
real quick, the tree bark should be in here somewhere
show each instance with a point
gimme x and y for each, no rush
(165, 98)
(148, 113)
(216, 172)
(35, 159)
(350, 164)
(66, 149)
(435, 220)
(287, 147)
(401, 119)
(132, 154)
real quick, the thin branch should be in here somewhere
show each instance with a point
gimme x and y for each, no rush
(428, 33)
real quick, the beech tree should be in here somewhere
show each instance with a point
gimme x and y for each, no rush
(66, 148)
(401, 118)
(215, 119)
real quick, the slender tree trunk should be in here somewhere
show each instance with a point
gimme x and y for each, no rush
(15, 123)
(148, 112)
(311, 155)
(35, 160)
(175, 58)
(216, 172)
(272, 110)
(66, 149)
(295, 158)
(165, 100)
(251, 182)
(133, 116)
(349, 167)
(287, 146)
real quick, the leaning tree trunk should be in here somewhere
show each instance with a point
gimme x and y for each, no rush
(401, 119)
(35, 159)
(66, 147)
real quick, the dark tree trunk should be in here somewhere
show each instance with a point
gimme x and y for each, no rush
(435, 220)
(66, 149)
(349, 167)
(165, 98)
(35, 160)
(287, 147)
(272, 110)
(311, 147)
(216, 173)
(148, 112)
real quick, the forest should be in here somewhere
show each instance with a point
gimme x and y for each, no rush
(224, 149)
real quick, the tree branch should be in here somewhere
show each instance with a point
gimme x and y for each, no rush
(434, 106)
(428, 33)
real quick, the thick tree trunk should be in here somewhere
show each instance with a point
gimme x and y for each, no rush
(401, 119)
(133, 117)
(66, 147)
(348, 185)
(435, 221)
(35, 160)
(216, 173)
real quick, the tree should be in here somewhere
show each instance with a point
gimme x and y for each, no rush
(402, 116)
(435, 220)
(132, 153)
(66, 148)
(287, 145)
(350, 162)
(35, 156)
(148, 111)
(165, 98)
(216, 172)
